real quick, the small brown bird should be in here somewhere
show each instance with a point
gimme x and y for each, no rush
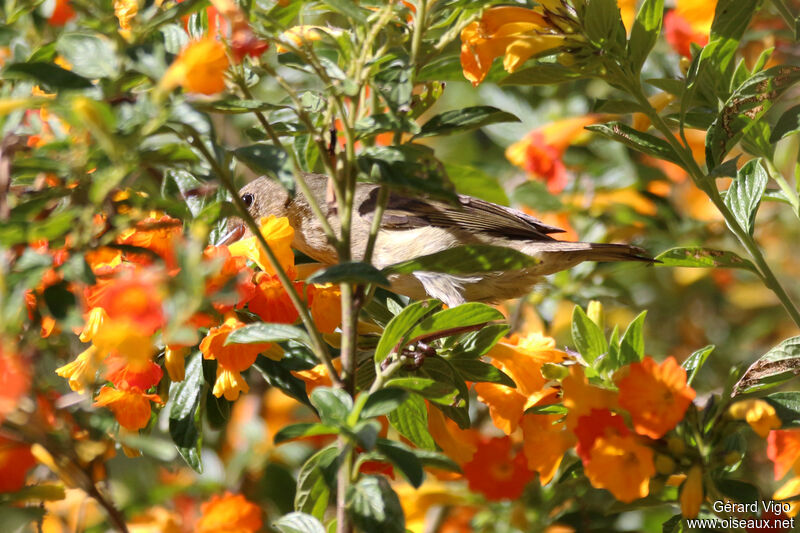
(416, 226)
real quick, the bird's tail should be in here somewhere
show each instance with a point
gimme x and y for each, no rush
(592, 251)
(560, 255)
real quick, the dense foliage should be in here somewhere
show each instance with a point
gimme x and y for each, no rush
(157, 377)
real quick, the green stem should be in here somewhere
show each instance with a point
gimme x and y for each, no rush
(791, 193)
(708, 186)
(419, 28)
(319, 346)
(377, 217)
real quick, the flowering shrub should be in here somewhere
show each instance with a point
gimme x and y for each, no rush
(173, 359)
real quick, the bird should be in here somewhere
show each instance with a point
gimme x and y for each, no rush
(414, 226)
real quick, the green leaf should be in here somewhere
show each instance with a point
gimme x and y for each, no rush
(348, 9)
(695, 362)
(696, 257)
(744, 195)
(59, 299)
(234, 106)
(477, 343)
(374, 506)
(428, 388)
(90, 55)
(643, 142)
(304, 429)
(410, 167)
(315, 481)
(333, 405)
(587, 336)
(476, 370)
(541, 74)
(787, 407)
(47, 74)
(410, 419)
(400, 326)
(185, 424)
(645, 32)
(404, 459)
(738, 491)
(278, 375)
(468, 314)
(602, 20)
(631, 347)
(461, 120)
(535, 195)
(466, 259)
(383, 402)
(787, 124)
(744, 108)
(352, 272)
(298, 523)
(474, 182)
(384, 123)
(262, 158)
(673, 525)
(260, 332)
(778, 365)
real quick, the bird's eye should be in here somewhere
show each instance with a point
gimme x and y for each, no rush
(247, 199)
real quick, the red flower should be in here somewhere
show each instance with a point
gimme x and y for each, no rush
(598, 423)
(62, 13)
(496, 472)
(15, 461)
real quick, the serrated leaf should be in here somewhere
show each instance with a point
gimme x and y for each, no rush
(333, 405)
(744, 195)
(466, 259)
(298, 523)
(695, 362)
(777, 366)
(631, 346)
(260, 332)
(304, 429)
(466, 119)
(383, 402)
(185, 401)
(352, 272)
(315, 481)
(643, 142)
(587, 336)
(645, 32)
(374, 506)
(696, 257)
(410, 419)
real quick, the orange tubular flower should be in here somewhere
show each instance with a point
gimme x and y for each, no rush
(496, 472)
(458, 444)
(230, 268)
(514, 32)
(15, 461)
(317, 376)
(580, 398)
(15, 380)
(159, 234)
(540, 152)
(690, 22)
(326, 306)
(232, 359)
(758, 413)
(271, 302)
(783, 449)
(278, 234)
(131, 407)
(523, 362)
(126, 11)
(656, 396)
(124, 375)
(134, 298)
(229, 513)
(622, 466)
(598, 423)
(544, 442)
(199, 68)
(175, 361)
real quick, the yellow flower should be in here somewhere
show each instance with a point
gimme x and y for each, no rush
(326, 306)
(97, 316)
(691, 497)
(229, 383)
(758, 413)
(199, 68)
(278, 234)
(81, 372)
(790, 489)
(127, 340)
(544, 443)
(125, 10)
(627, 10)
(514, 32)
(296, 35)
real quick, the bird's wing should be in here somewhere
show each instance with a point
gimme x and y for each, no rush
(470, 214)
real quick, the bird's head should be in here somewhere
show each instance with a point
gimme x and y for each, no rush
(263, 197)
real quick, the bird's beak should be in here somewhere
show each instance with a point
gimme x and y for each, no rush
(233, 235)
